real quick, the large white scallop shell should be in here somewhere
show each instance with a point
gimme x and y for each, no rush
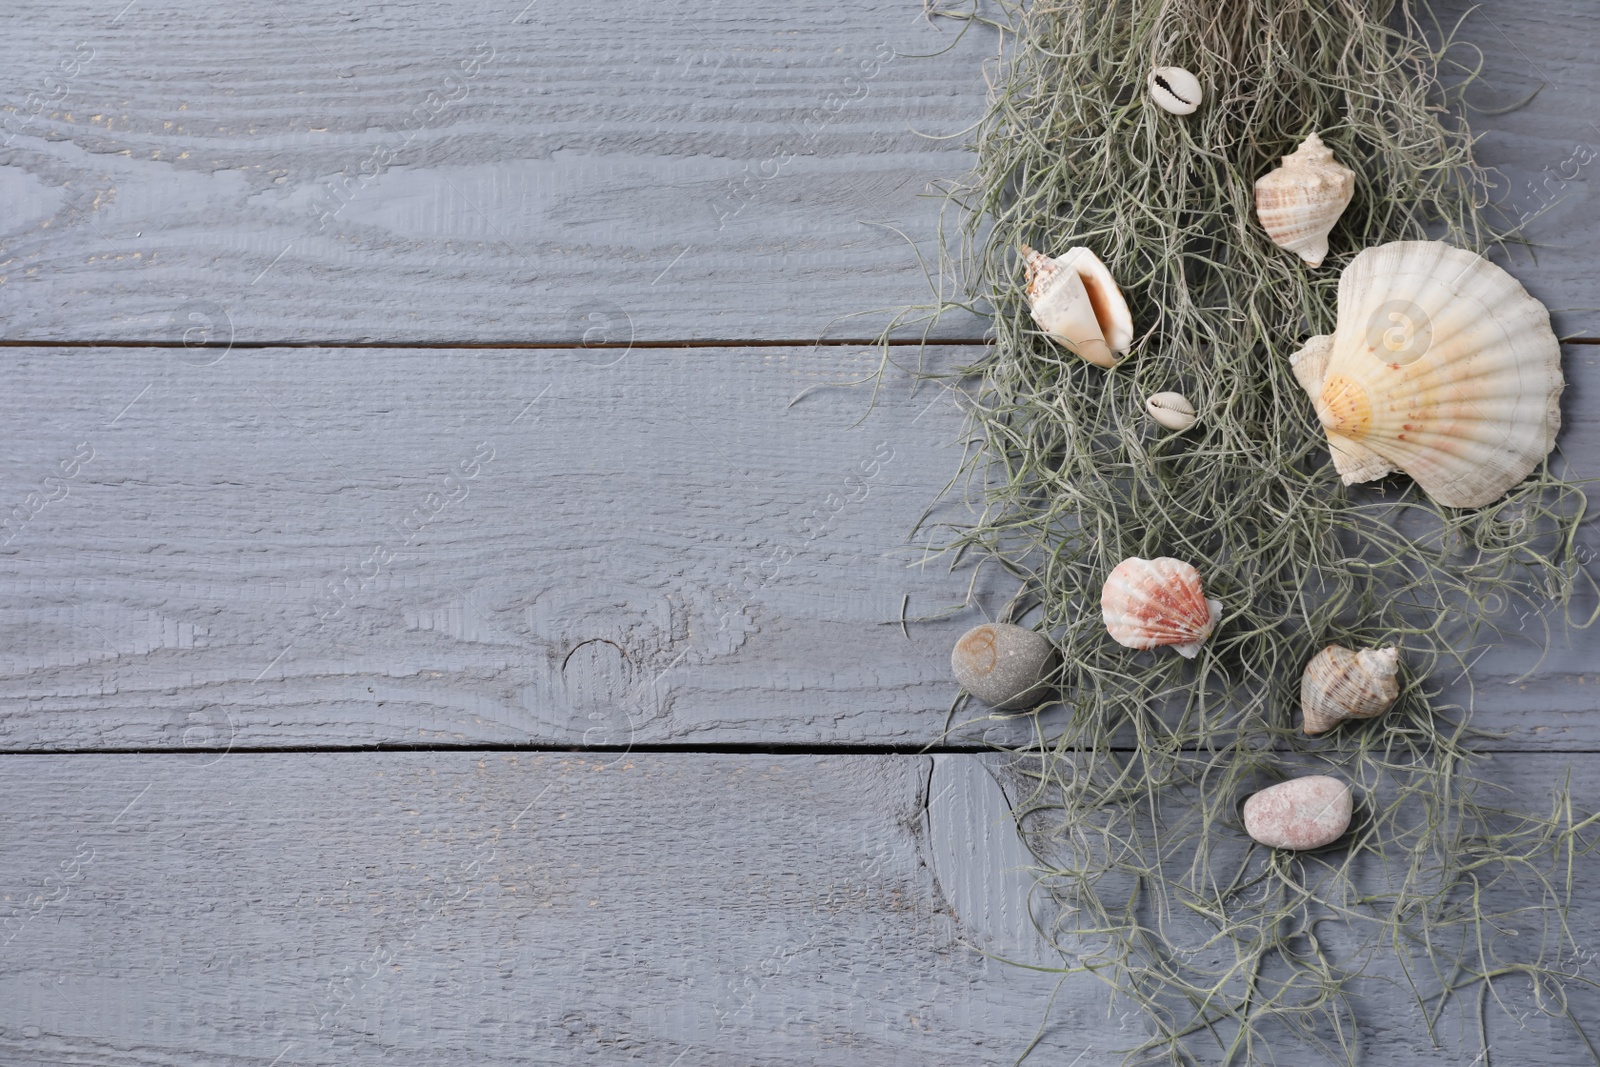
(1147, 603)
(1300, 201)
(1340, 683)
(1075, 301)
(1440, 365)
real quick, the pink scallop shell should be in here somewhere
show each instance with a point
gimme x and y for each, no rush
(1148, 603)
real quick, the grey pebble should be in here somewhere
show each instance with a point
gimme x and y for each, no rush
(1003, 665)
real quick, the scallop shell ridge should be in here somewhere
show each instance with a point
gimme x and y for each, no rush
(1148, 603)
(1440, 365)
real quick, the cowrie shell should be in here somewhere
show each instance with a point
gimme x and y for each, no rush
(1176, 90)
(1171, 410)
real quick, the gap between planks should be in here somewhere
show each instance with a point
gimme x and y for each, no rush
(734, 748)
(562, 346)
(545, 346)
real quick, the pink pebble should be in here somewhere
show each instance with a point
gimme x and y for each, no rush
(1301, 813)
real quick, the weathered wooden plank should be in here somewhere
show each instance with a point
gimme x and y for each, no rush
(1547, 151)
(468, 172)
(505, 908)
(294, 547)
(462, 908)
(306, 547)
(498, 172)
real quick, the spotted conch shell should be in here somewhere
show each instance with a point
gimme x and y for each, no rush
(1147, 603)
(1440, 365)
(1300, 201)
(1340, 683)
(1074, 300)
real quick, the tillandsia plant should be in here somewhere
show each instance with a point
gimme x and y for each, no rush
(1238, 953)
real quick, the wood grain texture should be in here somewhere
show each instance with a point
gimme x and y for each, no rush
(285, 548)
(1547, 152)
(224, 549)
(461, 908)
(465, 171)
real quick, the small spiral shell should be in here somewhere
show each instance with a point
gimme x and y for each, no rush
(1340, 683)
(1298, 203)
(1076, 302)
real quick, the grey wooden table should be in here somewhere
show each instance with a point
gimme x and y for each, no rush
(429, 632)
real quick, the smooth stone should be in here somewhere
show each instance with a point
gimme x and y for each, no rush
(1003, 665)
(1302, 813)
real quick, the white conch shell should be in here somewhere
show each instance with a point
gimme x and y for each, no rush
(1441, 365)
(1176, 90)
(1300, 201)
(1074, 300)
(1340, 683)
(1171, 410)
(1147, 603)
